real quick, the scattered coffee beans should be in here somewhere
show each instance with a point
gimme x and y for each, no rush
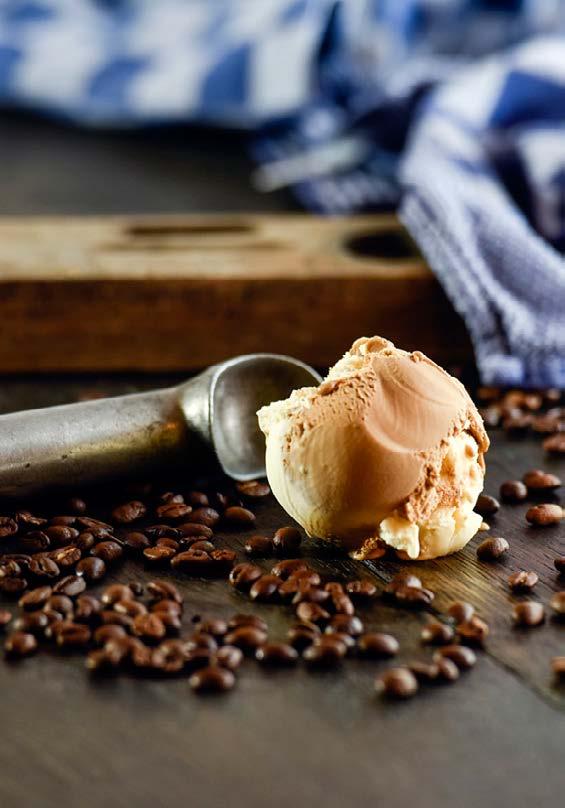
(557, 604)
(397, 683)
(523, 581)
(377, 645)
(513, 491)
(486, 505)
(529, 613)
(544, 515)
(212, 679)
(492, 549)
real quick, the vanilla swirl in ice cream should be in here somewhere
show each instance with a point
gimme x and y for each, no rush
(387, 450)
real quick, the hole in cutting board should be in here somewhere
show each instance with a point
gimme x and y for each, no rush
(183, 229)
(391, 244)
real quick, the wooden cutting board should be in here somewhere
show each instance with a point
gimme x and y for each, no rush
(180, 292)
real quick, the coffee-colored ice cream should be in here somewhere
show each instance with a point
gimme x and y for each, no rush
(388, 450)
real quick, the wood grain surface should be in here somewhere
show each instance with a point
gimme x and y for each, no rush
(295, 738)
(166, 293)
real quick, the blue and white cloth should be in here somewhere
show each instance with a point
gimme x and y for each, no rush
(453, 108)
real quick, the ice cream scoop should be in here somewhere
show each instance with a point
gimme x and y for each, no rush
(388, 450)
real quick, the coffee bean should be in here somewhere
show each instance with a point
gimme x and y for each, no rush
(424, 671)
(196, 544)
(198, 499)
(35, 541)
(214, 626)
(109, 551)
(76, 505)
(193, 562)
(34, 622)
(559, 564)
(87, 608)
(342, 603)
(377, 645)
(116, 592)
(253, 489)
(20, 644)
(35, 598)
(447, 670)
(205, 516)
(169, 497)
(173, 544)
(463, 656)
(61, 535)
(486, 505)
(43, 568)
(528, 613)
(109, 617)
(397, 683)
(228, 656)
(473, 631)
(265, 589)
(72, 635)
(136, 542)
(305, 592)
(247, 637)
(71, 586)
(109, 632)
(129, 512)
(10, 569)
(67, 521)
(212, 680)
(91, 568)
(522, 581)
(164, 590)
(191, 530)
(242, 576)
(149, 627)
(539, 480)
(401, 581)
(290, 566)
(132, 608)
(85, 541)
(222, 562)
(461, 611)
(557, 604)
(348, 624)
(544, 515)
(61, 603)
(8, 527)
(361, 591)
(555, 444)
(287, 541)
(66, 557)
(28, 519)
(414, 597)
(300, 636)
(517, 424)
(5, 618)
(276, 654)
(513, 491)
(101, 661)
(159, 556)
(155, 532)
(174, 511)
(311, 613)
(259, 547)
(168, 658)
(201, 640)
(436, 633)
(325, 652)
(237, 620)
(239, 517)
(492, 549)
(12, 587)
(558, 667)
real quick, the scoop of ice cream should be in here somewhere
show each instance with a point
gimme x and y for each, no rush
(387, 450)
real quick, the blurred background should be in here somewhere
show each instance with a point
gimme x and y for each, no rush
(449, 113)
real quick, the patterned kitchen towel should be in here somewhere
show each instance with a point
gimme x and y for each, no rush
(356, 103)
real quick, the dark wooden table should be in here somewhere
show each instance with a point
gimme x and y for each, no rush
(298, 738)
(495, 738)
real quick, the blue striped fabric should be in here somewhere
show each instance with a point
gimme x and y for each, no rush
(454, 109)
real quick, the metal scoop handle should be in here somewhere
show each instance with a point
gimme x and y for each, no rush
(85, 442)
